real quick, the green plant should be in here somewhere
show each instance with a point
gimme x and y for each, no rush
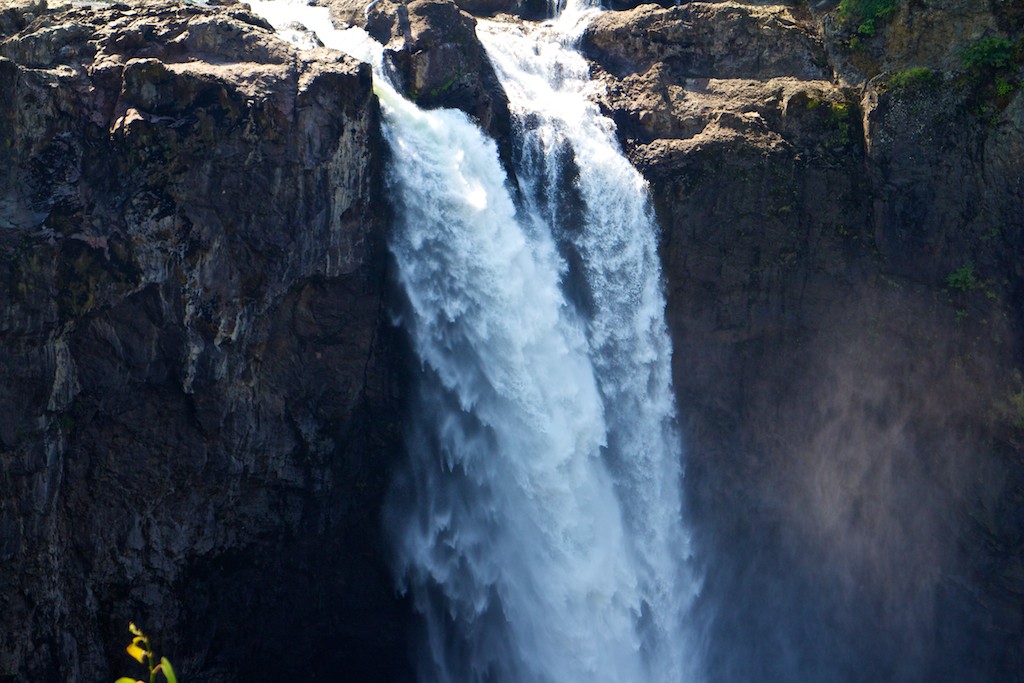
(963, 278)
(865, 16)
(1012, 408)
(988, 54)
(914, 78)
(990, 64)
(142, 652)
(842, 118)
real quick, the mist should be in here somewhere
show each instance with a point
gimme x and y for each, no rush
(838, 501)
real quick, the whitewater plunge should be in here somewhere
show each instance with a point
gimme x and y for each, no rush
(538, 525)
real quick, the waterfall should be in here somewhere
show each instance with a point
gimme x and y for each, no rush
(538, 525)
(615, 244)
(511, 539)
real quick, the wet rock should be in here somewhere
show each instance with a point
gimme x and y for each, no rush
(432, 47)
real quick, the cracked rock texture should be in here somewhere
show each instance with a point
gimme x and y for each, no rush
(432, 49)
(200, 395)
(842, 251)
(198, 388)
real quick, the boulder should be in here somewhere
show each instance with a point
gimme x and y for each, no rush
(708, 40)
(437, 60)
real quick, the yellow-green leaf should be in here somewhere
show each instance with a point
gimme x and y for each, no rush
(137, 652)
(125, 679)
(134, 629)
(168, 670)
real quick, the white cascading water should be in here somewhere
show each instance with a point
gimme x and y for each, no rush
(548, 86)
(538, 526)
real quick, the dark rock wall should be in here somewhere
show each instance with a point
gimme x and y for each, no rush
(843, 266)
(436, 60)
(199, 391)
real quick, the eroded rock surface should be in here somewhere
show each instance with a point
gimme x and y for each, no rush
(432, 49)
(841, 249)
(197, 383)
(199, 396)
(703, 39)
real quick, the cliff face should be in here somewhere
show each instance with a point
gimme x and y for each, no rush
(197, 380)
(842, 240)
(200, 393)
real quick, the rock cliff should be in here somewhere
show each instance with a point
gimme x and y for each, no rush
(842, 214)
(198, 383)
(200, 394)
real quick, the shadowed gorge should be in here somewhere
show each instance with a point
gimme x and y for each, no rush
(317, 372)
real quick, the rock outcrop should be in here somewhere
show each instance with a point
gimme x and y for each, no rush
(844, 294)
(930, 34)
(431, 48)
(198, 389)
(700, 39)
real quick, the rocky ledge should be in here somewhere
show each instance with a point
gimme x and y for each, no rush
(198, 396)
(431, 49)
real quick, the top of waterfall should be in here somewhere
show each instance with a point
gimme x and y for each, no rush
(353, 41)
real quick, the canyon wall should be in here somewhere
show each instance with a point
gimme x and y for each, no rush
(198, 378)
(201, 391)
(842, 218)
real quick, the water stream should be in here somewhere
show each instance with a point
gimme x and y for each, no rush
(538, 525)
(614, 241)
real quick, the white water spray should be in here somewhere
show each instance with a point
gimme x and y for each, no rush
(512, 539)
(538, 527)
(549, 87)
